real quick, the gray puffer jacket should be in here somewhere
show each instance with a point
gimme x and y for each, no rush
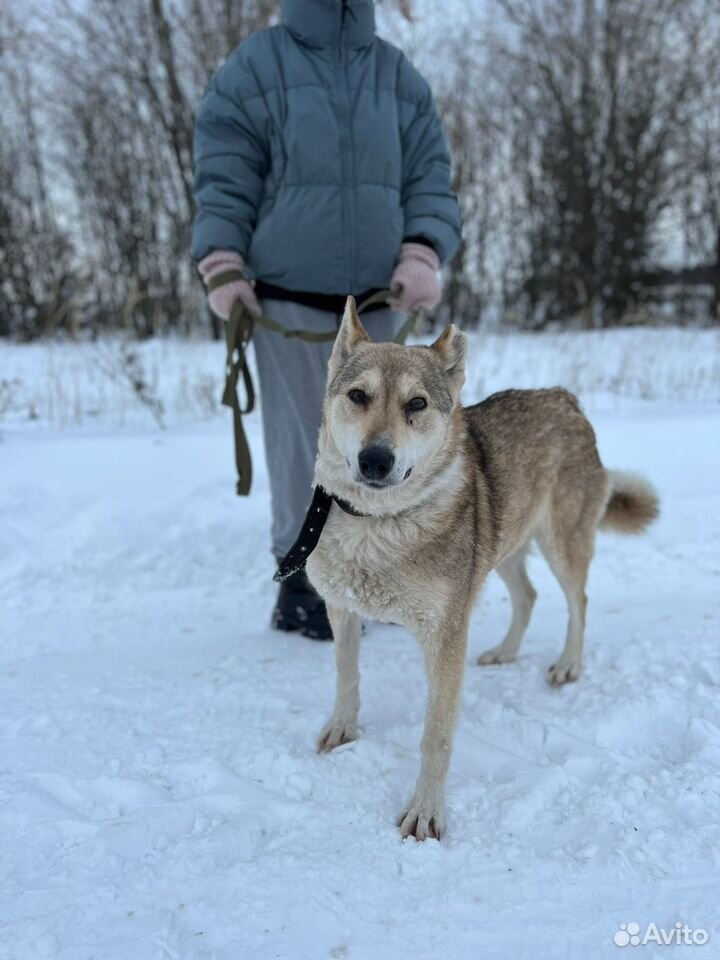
(318, 150)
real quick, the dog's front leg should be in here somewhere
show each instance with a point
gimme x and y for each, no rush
(342, 726)
(445, 663)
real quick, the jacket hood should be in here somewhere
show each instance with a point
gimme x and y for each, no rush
(328, 23)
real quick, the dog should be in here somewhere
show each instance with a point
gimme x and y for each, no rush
(429, 497)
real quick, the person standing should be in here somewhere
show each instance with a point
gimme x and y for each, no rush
(321, 170)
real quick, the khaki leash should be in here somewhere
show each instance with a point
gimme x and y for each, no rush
(238, 334)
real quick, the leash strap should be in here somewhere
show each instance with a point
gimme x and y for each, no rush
(238, 334)
(407, 328)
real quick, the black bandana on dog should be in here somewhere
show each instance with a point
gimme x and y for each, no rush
(315, 519)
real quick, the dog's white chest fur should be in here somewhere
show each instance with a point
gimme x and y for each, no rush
(355, 566)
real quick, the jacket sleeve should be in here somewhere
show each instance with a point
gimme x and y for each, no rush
(429, 204)
(231, 160)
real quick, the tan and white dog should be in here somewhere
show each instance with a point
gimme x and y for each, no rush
(444, 494)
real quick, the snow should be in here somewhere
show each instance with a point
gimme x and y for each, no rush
(160, 796)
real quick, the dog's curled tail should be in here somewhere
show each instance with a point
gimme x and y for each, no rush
(633, 503)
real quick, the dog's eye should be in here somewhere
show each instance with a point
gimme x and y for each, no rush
(417, 403)
(358, 396)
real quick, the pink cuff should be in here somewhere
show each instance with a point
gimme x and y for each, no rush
(421, 252)
(218, 262)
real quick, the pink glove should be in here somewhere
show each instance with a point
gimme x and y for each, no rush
(416, 274)
(222, 298)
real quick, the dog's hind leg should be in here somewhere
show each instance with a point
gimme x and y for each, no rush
(522, 595)
(444, 653)
(342, 725)
(569, 557)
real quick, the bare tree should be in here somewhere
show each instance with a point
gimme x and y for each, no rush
(36, 276)
(599, 96)
(124, 112)
(473, 143)
(700, 199)
(455, 61)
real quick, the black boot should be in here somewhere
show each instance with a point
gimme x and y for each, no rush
(300, 608)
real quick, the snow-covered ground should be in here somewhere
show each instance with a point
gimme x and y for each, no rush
(160, 796)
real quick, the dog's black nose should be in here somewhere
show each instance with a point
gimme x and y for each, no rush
(376, 462)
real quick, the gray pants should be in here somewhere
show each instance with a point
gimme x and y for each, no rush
(292, 385)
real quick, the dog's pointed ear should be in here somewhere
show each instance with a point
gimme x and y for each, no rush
(350, 334)
(451, 349)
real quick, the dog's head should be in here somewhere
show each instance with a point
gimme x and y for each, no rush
(388, 412)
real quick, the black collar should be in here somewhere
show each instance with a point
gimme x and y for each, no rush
(315, 519)
(347, 507)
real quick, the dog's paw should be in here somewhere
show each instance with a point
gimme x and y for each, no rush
(337, 731)
(497, 654)
(566, 670)
(424, 819)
